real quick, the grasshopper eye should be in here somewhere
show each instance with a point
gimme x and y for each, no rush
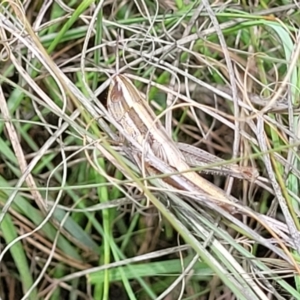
(115, 93)
(116, 103)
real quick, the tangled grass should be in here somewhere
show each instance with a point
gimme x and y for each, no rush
(76, 222)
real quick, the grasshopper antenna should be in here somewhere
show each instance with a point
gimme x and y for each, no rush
(117, 52)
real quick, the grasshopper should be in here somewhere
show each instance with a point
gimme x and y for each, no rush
(140, 124)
